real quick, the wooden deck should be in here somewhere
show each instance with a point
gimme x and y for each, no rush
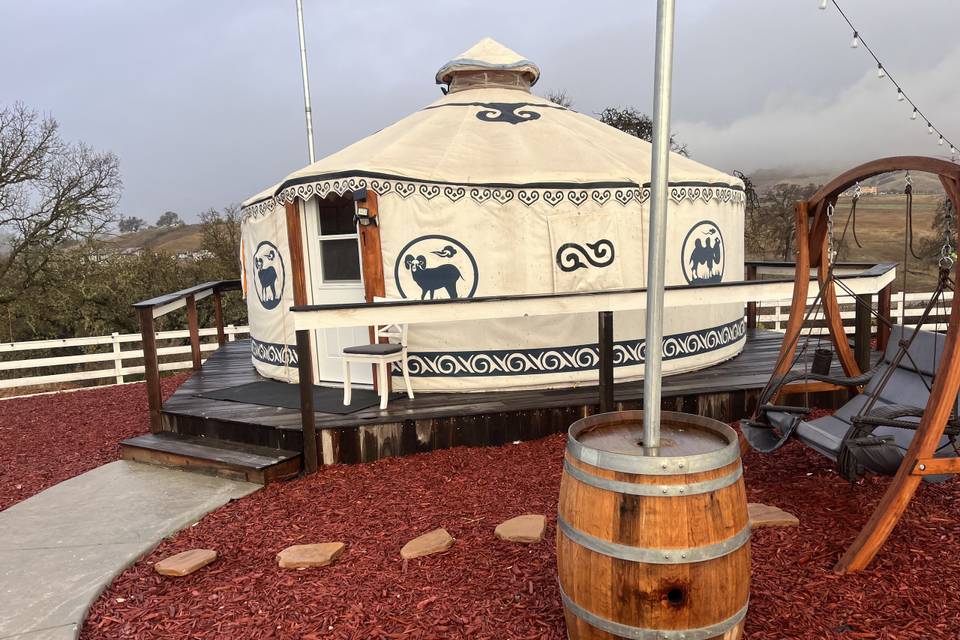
(725, 392)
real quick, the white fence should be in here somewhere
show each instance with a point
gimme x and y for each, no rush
(115, 357)
(774, 315)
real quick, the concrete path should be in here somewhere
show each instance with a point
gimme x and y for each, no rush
(62, 547)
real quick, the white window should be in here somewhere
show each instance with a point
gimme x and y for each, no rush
(339, 241)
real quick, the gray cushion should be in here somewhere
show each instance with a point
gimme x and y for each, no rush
(823, 434)
(926, 352)
(907, 385)
(381, 349)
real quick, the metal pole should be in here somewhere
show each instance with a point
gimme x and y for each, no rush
(306, 81)
(658, 225)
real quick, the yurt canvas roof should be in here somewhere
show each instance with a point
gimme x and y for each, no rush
(497, 136)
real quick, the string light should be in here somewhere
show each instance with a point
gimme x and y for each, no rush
(882, 73)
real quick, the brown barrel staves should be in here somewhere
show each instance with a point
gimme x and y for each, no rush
(653, 548)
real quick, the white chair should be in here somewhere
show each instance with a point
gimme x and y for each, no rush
(382, 354)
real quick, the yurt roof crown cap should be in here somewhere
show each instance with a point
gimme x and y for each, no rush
(488, 63)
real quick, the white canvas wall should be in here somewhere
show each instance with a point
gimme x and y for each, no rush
(512, 248)
(273, 339)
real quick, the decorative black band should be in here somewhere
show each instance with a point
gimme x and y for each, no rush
(584, 357)
(278, 355)
(593, 194)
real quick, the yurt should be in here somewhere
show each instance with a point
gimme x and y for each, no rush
(490, 191)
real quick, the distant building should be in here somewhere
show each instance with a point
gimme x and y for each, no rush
(868, 191)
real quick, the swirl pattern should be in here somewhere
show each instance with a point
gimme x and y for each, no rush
(568, 359)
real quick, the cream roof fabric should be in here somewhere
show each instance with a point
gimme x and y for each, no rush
(501, 137)
(488, 54)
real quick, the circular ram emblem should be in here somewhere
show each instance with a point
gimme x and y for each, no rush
(269, 274)
(703, 254)
(435, 266)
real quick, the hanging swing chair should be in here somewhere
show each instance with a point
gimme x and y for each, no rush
(902, 417)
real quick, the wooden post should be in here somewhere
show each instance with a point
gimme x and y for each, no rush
(194, 324)
(218, 316)
(883, 310)
(371, 258)
(801, 285)
(308, 421)
(307, 417)
(831, 312)
(151, 367)
(863, 331)
(297, 263)
(751, 274)
(605, 349)
(117, 357)
(371, 264)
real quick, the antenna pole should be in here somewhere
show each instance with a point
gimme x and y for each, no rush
(306, 81)
(663, 79)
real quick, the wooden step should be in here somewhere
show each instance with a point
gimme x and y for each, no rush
(236, 460)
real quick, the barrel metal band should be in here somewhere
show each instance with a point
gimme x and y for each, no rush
(661, 490)
(638, 633)
(654, 556)
(651, 465)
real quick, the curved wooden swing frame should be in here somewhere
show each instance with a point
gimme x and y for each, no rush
(811, 237)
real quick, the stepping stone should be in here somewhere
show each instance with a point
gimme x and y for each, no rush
(185, 563)
(528, 529)
(764, 515)
(434, 542)
(304, 556)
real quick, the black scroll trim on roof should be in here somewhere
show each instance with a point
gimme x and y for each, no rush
(509, 112)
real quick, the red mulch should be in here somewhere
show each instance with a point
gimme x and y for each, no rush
(486, 588)
(46, 439)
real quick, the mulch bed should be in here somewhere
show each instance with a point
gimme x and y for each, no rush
(487, 588)
(46, 439)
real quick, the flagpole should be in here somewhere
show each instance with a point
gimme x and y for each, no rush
(663, 79)
(306, 81)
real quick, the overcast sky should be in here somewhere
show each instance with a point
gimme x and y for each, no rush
(202, 102)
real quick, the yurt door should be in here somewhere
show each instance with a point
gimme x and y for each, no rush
(334, 256)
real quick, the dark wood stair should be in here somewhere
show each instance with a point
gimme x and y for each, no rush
(235, 460)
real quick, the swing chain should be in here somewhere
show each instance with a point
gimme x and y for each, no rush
(948, 255)
(831, 252)
(857, 191)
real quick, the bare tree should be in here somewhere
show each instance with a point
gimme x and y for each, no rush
(52, 194)
(560, 97)
(636, 123)
(221, 237)
(771, 230)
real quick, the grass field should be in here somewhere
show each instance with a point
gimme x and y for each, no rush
(881, 229)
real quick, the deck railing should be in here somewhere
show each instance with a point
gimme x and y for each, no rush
(861, 280)
(150, 310)
(115, 351)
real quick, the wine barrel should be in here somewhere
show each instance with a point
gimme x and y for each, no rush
(653, 547)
